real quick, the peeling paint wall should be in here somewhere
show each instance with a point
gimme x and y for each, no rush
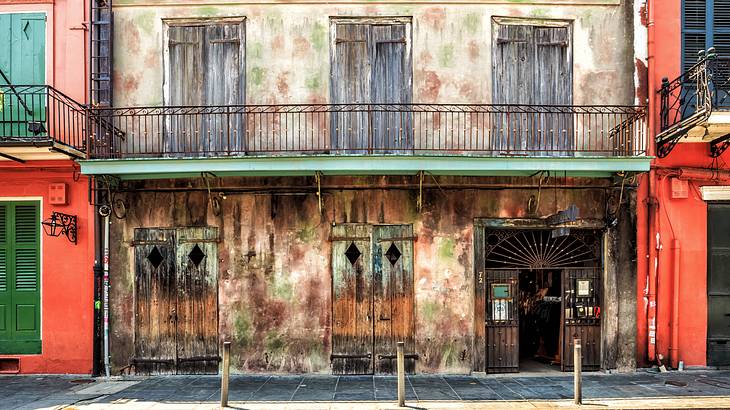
(288, 48)
(274, 286)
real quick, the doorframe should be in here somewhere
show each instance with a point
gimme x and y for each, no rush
(479, 298)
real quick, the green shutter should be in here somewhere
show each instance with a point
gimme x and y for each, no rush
(20, 278)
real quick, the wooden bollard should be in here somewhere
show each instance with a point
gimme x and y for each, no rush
(226, 373)
(401, 375)
(577, 372)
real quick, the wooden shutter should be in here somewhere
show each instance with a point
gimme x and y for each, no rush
(352, 303)
(391, 83)
(350, 84)
(197, 300)
(393, 298)
(5, 301)
(22, 59)
(705, 24)
(155, 301)
(20, 278)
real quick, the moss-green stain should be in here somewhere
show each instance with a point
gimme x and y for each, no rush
(313, 82)
(429, 309)
(318, 37)
(273, 342)
(446, 55)
(208, 11)
(257, 76)
(145, 20)
(281, 288)
(540, 13)
(256, 51)
(449, 355)
(242, 328)
(446, 248)
(306, 234)
(472, 21)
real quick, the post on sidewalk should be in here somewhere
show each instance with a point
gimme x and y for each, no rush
(401, 375)
(226, 373)
(577, 371)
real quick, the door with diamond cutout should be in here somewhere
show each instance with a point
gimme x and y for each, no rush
(372, 297)
(393, 296)
(176, 301)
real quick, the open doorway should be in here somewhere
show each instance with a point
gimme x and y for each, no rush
(539, 309)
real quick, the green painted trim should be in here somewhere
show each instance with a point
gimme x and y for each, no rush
(157, 168)
(20, 347)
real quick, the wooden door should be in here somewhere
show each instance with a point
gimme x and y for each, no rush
(176, 301)
(718, 284)
(352, 300)
(197, 300)
(155, 301)
(502, 321)
(22, 60)
(582, 316)
(393, 296)
(532, 65)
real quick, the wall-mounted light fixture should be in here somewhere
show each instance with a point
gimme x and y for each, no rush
(61, 224)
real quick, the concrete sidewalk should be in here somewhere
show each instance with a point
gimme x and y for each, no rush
(706, 389)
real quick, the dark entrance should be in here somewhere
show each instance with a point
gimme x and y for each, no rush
(372, 298)
(176, 301)
(718, 285)
(541, 292)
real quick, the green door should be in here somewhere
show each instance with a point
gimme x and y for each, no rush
(20, 278)
(22, 60)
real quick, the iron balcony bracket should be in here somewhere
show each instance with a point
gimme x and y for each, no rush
(718, 146)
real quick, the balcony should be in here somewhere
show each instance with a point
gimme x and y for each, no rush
(695, 107)
(447, 139)
(38, 122)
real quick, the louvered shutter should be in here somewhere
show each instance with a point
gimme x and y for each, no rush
(4, 273)
(19, 278)
(705, 24)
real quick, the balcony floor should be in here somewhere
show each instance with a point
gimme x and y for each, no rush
(302, 165)
(37, 150)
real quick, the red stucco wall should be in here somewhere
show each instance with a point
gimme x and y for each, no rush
(67, 300)
(684, 220)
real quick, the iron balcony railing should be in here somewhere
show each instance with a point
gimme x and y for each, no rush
(368, 129)
(689, 99)
(36, 114)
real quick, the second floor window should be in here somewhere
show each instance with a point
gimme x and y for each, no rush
(705, 24)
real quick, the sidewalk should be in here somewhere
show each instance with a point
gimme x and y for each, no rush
(706, 389)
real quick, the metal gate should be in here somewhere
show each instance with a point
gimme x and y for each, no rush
(718, 285)
(502, 321)
(581, 316)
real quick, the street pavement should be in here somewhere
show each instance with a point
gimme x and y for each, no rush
(641, 389)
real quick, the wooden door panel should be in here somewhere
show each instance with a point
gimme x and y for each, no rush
(393, 300)
(197, 300)
(155, 301)
(581, 316)
(352, 327)
(502, 321)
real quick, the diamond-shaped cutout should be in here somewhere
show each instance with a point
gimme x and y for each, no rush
(352, 253)
(155, 257)
(196, 255)
(393, 254)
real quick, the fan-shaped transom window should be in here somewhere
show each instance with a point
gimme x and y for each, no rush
(538, 249)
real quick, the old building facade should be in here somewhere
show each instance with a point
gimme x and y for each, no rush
(314, 182)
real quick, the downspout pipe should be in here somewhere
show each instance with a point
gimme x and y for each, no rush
(653, 239)
(674, 349)
(105, 212)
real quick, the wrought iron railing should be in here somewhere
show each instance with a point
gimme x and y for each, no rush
(397, 129)
(690, 99)
(40, 113)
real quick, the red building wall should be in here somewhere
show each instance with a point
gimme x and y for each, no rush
(680, 221)
(67, 300)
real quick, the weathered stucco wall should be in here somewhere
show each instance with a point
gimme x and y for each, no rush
(288, 46)
(274, 257)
